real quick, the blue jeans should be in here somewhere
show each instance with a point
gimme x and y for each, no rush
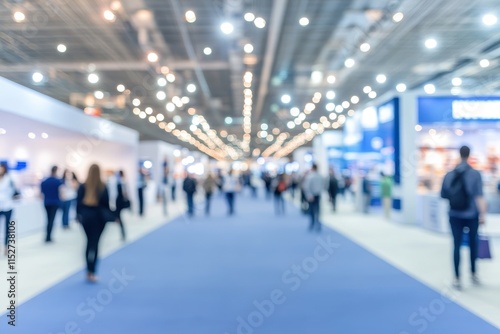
(7, 215)
(457, 228)
(65, 206)
(314, 212)
(230, 202)
(190, 203)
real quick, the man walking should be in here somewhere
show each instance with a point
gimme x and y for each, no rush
(189, 187)
(314, 184)
(463, 187)
(50, 190)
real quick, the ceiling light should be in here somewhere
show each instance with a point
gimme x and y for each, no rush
(249, 17)
(456, 82)
(93, 78)
(136, 111)
(365, 47)
(160, 117)
(228, 120)
(367, 89)
(372, 94)
(484, 63)
(430, 43)
(339, 109)
(294, 111)
(226, 28)
(37, 77)
(109, 15)
(162, 82)
(19, 17)
(346, 104)
(350, 113)
(381, 78)
(185, 100)
(401, 87)
(177, 119)
(398, 17)
(116, 5)
(170, 77)
(190, 16)
(152, 119)
(430, 89)
(304, 21)
(45, 135)
(136, 102)
(290, 124)
(99, 95)
(259, 22)
(264, 126)
(207, 51)
(330, 95)
(316, 77)
(354, 99)
(120, 88)
(170, 107)
(286, 98)
(248, 48)
(152, 57)
(489, 19)
(161, 95)
(61, 48)
(331, 79)
(330, 106)
(349, 62)
(31, 135)
(191, 88)
(149, 110)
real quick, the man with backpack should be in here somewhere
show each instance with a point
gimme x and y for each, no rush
(463, 187)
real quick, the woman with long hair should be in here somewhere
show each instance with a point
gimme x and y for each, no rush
(92, 205)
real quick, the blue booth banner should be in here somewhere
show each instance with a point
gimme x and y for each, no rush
(451, 109)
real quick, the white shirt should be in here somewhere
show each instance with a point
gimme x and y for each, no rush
(230, 184)
(6, 193)
(68, 192)
(314, 184)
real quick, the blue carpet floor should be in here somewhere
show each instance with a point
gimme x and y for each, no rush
(252, 273)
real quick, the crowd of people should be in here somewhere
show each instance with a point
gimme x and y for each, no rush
(102, 198)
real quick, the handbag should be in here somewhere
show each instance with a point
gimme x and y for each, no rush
(483, 251)
(126, 204)
(107, 215)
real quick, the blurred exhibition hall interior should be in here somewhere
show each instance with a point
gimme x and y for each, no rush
(250, 166)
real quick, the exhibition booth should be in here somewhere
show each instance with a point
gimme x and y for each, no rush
(37, 132)
(415, 138)
(444, 124)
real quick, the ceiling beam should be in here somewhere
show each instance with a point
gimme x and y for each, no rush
(188, 44)
(276, 24)
(113, 66)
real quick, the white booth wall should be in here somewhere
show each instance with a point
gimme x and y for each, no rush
(157, 152)
(73, 140)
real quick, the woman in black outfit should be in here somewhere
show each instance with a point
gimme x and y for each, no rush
(122, 201)
(92, 205)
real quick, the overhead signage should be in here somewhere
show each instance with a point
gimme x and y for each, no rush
(476, 109)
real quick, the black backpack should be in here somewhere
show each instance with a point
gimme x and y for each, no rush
(457, 193)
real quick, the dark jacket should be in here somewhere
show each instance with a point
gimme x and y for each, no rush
(189, 185)
(85, 210)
